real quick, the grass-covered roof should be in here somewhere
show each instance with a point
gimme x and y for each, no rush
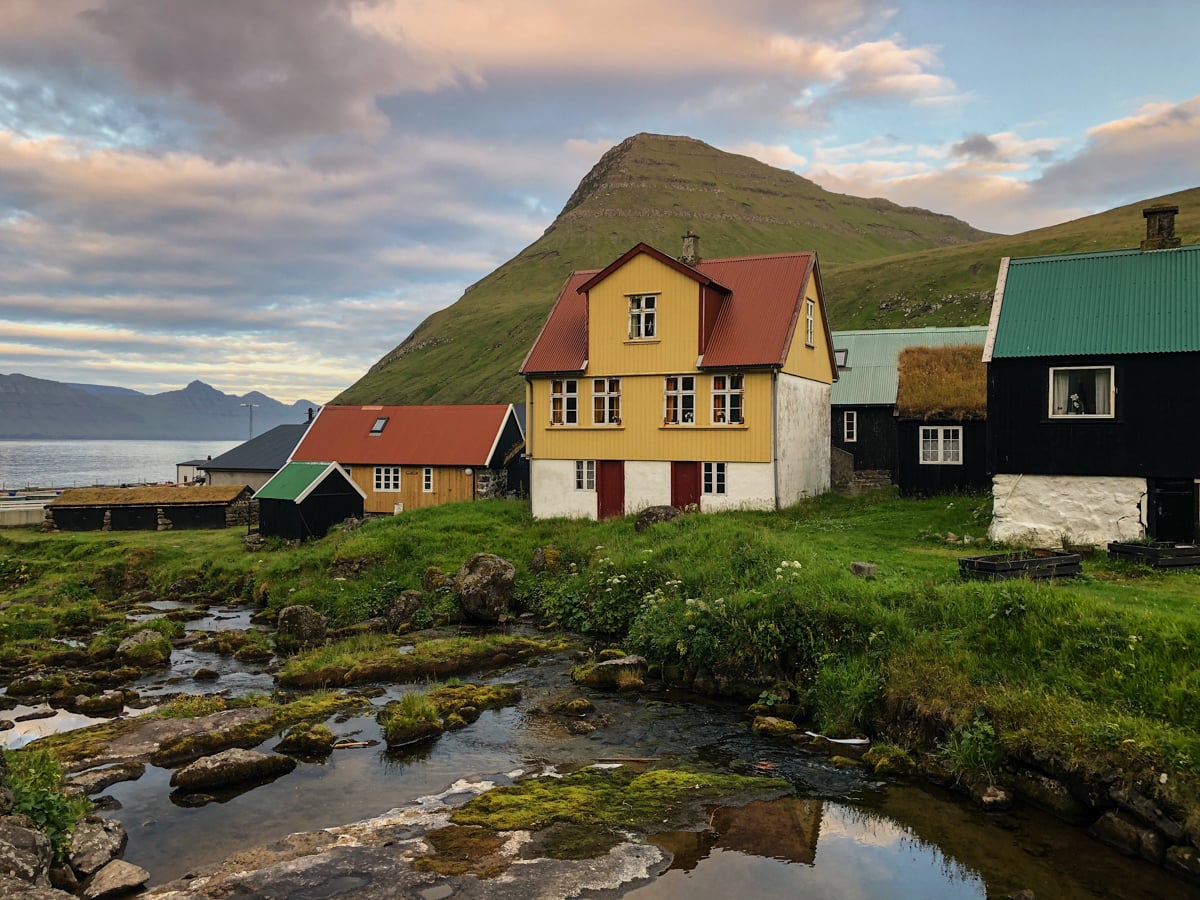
(942, 383)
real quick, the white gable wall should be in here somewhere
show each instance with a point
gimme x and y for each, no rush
(802, 438)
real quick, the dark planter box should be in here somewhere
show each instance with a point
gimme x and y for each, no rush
(1160, 555)
(1021, 564)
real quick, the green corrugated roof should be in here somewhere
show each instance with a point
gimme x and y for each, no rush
(871, 358)
(292, 480)
(1118, 301)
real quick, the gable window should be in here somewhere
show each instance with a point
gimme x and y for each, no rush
(564, 401)
(585, 474)
(714, 478)
(427, 480)
(941, 445)
(839, 358)
(387, 478)
(810, 310)
(850, 426)
(643, 316)
(377, 428)
(679, 400)
(606, 401)
(1084, 391)
(727, 400)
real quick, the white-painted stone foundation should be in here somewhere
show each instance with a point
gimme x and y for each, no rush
(552, 491)
(1042, 510)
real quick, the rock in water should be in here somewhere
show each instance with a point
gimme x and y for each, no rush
(484, 586)
(114, 880)
(94, 844)
(230, 767)
(302, 624)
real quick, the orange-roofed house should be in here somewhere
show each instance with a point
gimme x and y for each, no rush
(657, 381)
(407, 457)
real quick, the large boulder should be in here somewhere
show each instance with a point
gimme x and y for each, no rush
(107, 703)
(24, 852)
(484, 585)
(401, 611)
(652, 515)
(94, 844)
(302, 625)
(230, 767)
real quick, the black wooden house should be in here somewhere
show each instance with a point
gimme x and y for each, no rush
(1094, 393)
(305, 499)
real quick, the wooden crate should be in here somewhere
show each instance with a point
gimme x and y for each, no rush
(1160, 555)
(1035, 564)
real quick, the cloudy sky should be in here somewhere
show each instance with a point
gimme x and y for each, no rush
(270, 194)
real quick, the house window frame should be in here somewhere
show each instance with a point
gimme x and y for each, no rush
(585, 475)
(728, 390)
(850, 426)
(679, 402)
(380, 424)
(840, 357)
(608, 412)
(1070, 416)
(939, 448)
(715, 479)
(564, 401)
(810, 317)
(387, 479)
(427, 480)
(643, 317)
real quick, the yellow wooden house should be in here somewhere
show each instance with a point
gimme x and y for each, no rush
(657, 381)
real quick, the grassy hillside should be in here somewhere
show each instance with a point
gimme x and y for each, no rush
(648, 188)
(954, 285)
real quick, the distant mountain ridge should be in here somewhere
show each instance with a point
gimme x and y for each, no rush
(39, 408)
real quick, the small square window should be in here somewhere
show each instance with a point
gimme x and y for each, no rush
(387, 478)
(941, 445)
(714, 478)
(585, 474)
(1086, 391)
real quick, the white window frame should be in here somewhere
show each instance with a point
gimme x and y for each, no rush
(728, 392)
(810, 315)
(564, 401)
(387, 479)
(1067, 372)
(679, 400)
(840, 357)
(427, 480)
(945, 447)
(715, 478)
(643, 317)
(606, 401)
(585, 474)
(850, 426)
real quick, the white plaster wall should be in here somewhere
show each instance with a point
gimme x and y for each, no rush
(1042, 509)
(803, 439)
(647, 483)
(552, 491)
(747, 486)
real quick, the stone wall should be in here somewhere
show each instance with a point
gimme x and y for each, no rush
(1045, 509)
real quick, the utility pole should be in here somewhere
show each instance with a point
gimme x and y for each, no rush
(250, 406)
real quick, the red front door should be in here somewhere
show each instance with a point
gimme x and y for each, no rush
(685, 484)
(610, 488)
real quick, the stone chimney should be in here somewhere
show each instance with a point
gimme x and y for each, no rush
(691, 249)
(1160, 227)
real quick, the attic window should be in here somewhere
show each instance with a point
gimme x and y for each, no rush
(839, 357)
(377, 428)
(1085, 391)
(643, 313)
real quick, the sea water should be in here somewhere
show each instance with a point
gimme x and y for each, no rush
(81, 463)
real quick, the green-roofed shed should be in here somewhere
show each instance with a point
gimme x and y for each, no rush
(1094, 393)
(304, 499)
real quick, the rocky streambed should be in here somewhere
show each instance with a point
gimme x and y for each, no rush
(561, 789)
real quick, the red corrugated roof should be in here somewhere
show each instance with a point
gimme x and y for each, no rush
(757, 320)
(683, 268)
(562, 344)
(754, 327)
(413, 435)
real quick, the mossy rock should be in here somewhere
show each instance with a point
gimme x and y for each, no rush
(312, 741)
(569, 841)
(405, 733)
(578, 706)
(611, 653)
(459, 850)
(626, 673)
(773, 726)
(888, 759)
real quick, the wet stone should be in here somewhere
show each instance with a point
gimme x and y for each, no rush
(114, 880)
(94, 844)
(230, 767)
(1131, 838)
(96, 780)
(24, 852)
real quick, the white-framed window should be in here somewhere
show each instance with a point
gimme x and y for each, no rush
(679, 400)
(810, 314)
(606, 401)
(941, 445)
(1083, 391)
(585, 474)
(387, 478)
(564, 401)
(850, 426)
(427, 480)
(727, 393)
(643, 316)
(714, 478)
